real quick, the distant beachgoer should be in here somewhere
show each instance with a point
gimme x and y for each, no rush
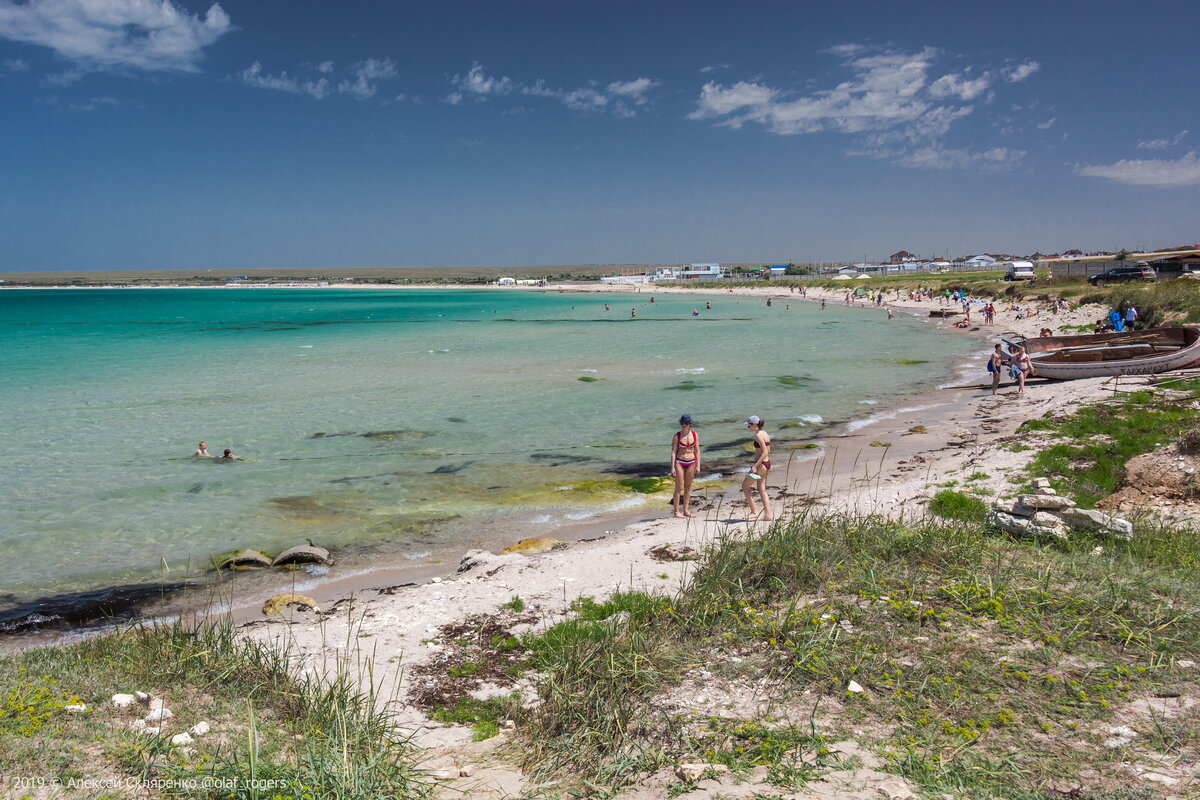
(229, 456)
(695, 312)
(822, 303)
(685, 463)
(651, 299)
(890, 314)
(1045, 332)
(757, 478)
(996, 366)
(1131, 316)
(768, 302)
(1024, 368)
(606, 306)
(202, 451)
(708, 305)
(632, 313)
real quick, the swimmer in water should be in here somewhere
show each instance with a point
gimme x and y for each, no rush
(633, 313)
(229, 456)
(606, 306)
(695, 312)
(708, 305)
(202, 451)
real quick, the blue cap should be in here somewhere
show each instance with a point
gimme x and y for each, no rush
(686, 419)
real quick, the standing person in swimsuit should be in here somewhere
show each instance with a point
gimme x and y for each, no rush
(996, 365)
(685, 463)
(758, 472)
(1024, 368)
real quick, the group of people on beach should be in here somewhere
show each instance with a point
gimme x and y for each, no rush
(685, 465)
(202, 452)
(1020, 367)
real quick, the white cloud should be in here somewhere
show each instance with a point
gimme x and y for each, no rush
(1162, 144)
(889, 100)
(1183, 171)
(620, 98)
(254, 76)
(478, 84)
(1021, 71)
(713, 68)
(16, 65)
(885, 91)
(1048, 124)
(960, 86)
(150, 35)
(359, 85)
(373, 69)
(95, 103)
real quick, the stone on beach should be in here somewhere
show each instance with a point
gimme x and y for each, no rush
(529, 547)
(181, 739)
(1025, 527)
(159, 714)
(123, 700)
(199, 729)
(693, 772)
(279, 602)
(1045, 501)
(1092, 520)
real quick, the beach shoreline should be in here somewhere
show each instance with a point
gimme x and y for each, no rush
(842, 463)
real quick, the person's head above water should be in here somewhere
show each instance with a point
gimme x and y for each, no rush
(686, 419)
(228, 453)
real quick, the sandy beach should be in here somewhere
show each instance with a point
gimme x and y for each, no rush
(887, 464)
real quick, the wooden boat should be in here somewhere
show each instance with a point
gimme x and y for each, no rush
(1105, 354)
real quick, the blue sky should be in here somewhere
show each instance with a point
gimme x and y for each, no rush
(185, 134)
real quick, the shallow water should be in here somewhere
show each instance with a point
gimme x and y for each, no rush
(383, 422)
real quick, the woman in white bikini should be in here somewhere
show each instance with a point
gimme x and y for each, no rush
(758, 473)
(685, 463)
(1023, 366)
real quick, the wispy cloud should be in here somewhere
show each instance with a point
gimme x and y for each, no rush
(1021, 71)
(362, 82)
(94, 35)
(1162, 144)
(621, 98)
(891, 100)
(15, 65)
(1182, 171)
(254, 76)
(1047, 125)
(96, 103)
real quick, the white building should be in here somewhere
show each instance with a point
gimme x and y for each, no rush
(507, 282)
(981, 260)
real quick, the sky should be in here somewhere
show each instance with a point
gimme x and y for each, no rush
(185, 134)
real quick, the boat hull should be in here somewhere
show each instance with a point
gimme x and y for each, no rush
(1073, 357)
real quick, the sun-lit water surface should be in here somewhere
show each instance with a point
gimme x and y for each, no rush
(387, 421)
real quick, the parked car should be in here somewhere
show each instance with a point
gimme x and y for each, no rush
(1134, 272)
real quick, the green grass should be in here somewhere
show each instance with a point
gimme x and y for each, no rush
(515, 605)
(1167, 302)
(987, 662)
(1089, 448)
(645, 485)
(950, 504)
(312, 735)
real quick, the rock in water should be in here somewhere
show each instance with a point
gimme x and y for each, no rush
(279, 602)
(246, 559)
(304, 554)
(529, 547)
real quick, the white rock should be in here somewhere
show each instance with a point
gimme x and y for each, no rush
(1045, 519)
(1123, 730)
(78, 708)
(1040, 483)
(1044, 501)
(1092, 520)
(157, 703)
(435, 580)
(1158, 777)
(1185, 663)
(159, 714)
(441, 775)
(138, 724)
(895, 788)
(142, 697)
(150, 731)
(694, 771)
(1025, 527)
(123, 700)
(1117, 741)
(199, 729)
(467, 771)
(180, 739)
(853, 686)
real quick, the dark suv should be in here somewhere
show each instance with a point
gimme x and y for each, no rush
(1135, 272)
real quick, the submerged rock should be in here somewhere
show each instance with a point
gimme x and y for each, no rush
(529, 547)
(246, 559)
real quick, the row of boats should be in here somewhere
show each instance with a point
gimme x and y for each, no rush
(1145, 352)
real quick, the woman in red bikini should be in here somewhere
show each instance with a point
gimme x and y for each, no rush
(758, 473)
(685, 463)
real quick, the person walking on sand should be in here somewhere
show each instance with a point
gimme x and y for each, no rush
(202, 451)
(1023, 368)
(685, 463)
(757, 478)
(996, 366)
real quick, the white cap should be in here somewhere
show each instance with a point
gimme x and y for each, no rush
(753, 419)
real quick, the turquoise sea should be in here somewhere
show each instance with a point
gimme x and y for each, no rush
(380, 422)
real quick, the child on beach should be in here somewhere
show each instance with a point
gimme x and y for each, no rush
(685, 463)
(757, 478)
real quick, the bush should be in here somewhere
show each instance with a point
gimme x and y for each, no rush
(956, 505)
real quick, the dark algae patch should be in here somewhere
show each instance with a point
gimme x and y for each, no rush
(908, 362)
(401, 435)
(644, 485)
(588, 379)
(795, 381)
(686, 386)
